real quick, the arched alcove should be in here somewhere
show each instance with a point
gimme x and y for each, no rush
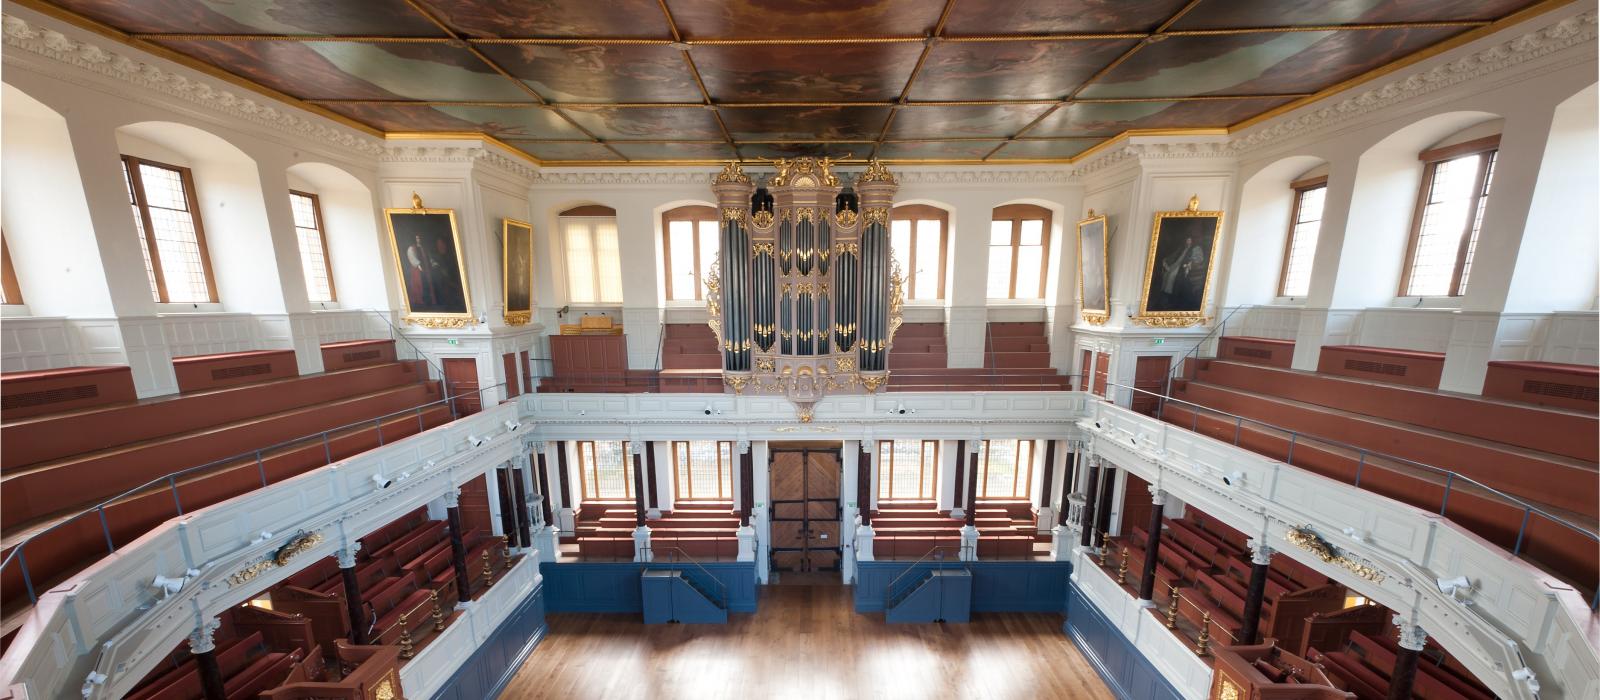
(1556, 268)
(686, 244)
(230, 207)
(1030, 250)
(1256, 264)
(919, 237)
(352, 234)
(48, 229)
(592, 259)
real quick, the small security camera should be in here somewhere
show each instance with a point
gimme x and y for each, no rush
(405, 475)
(1233, 478)
(476, 441)
(262, 536)
(511, 426)
(1097, 425)
(899, 409)
(707, 410)
(1453, 587)
(1525, 675)
(168, 585)
(429, 465)
(381, 481)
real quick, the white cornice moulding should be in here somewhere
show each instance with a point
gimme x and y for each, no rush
(461, 153)
(141, 72)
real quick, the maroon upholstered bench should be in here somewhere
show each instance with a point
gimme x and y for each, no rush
(1544, 384)
(201, 372)
(1262, 351)
(37, 392)
(356, 353)
(1418, 368)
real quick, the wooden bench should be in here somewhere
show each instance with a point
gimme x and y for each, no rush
(183, 682)
(1272, 352)
(1553, 384)
(381, 537)
(201, 372)
(1393, 365)
(1432, 682)
(435, 570)
(38, 392)
(374, 672)
(356, 353)
(404, 611)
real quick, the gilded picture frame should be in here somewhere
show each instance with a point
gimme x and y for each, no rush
(428, 259)
(1179, 267)
(516, 271)
(1094, 267)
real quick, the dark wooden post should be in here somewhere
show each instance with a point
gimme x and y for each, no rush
(652, 497)
(205, 658)
(638, 486)
(1067, 482)
(1090, 500)
(544, 489)
(747, 487)
(458, 545)
(1412, 639)
(519, 492)
(1152, 546)
(1049, 473)
(352, 596)
(561, 474)
(961, 474)
(972, 489)
(508, 507)
(1102, 514)
(864, 484)
(1250, 620)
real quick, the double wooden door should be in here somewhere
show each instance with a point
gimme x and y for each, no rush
(461, 382)
(805, 508)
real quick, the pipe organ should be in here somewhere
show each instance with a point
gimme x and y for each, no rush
(805, 297)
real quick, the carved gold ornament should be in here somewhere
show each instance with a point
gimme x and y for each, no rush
(765, 364)
(736, 381)
(1095, 318)
(732, 214)
(846, 218)
(1226, 690)
(518, 318)
(732, 171)
(877, 215)
(1166, 321)
(873, 381)
(807, 412)
(877, 172)
(1307, 539)
(385, 689)
(440, 321)
(897, 297)
(296, 546)
(762, 219)
(807, 214)
(844, 363)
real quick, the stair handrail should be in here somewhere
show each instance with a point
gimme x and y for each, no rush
(889, 593)
(676, 555)
(19, 556)
(396, 334)
(1451, 477)
(1216, 329)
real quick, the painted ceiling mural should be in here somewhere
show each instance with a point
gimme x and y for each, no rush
(707, 80)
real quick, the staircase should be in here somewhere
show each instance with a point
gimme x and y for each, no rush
(675, 588)
(933, 589)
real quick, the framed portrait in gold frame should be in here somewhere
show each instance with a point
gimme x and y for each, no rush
(516, 271)
(1177, 274)
(428, 258)
(1094, 279)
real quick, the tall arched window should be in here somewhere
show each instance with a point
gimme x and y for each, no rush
(1449, 214)
(605, 468)
(313, 245)
(10, 291)
(594, 262)
(1005, 469)
(688, 246)
(907, 470)
(1019, 251)
(917, 237)
(1305, 223)
(167, 218)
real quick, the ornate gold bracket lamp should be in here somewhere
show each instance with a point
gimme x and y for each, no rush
(805, 298)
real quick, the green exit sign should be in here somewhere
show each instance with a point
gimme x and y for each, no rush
(1153, 341)
(453, 341)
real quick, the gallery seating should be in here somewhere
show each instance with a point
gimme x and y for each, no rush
(705, 530)
(40, 392)
(1574, 387)
(215, 371)
(1272, 352)
(1419, 368)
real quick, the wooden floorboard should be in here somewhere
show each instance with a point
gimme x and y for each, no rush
(806, 642)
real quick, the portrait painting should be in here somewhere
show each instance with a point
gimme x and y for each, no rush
(516, 256)
(1178, 272)
(1093, 278)
(433, 276)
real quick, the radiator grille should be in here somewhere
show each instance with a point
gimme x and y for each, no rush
(1560, 390)
(1376, 367)
(1257, 353)
(50, 396)
(361, 355)
(241, 371)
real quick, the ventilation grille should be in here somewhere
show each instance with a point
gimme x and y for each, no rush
(1559, 390)
(1376, 367)
(50, 396)
(241, 371)
(1257, 353)
(362, 355)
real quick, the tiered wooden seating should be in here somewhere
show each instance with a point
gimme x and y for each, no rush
(1364, 663)
(919, 346)
(374, 673)
(202, 372)
(909, 529)
(1016, 358)
(356, 353)
(250, 665)
(1575, 387)
(54, 465)
(703, 530)
(691, 362)
(1267, 672)
(46, 391)
(1545, 455)
(1418, 368)
(1014, 345)
(1272, 352)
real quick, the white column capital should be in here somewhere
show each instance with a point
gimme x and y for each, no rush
(347, 555)
(972, 445)
(1260, 553)
(744, 446)
(452, 498)
(1411, 636)
(539, 446)
(636, 446)
(1158, 497)
(200, 640)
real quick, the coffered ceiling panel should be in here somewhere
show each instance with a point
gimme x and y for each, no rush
(699, 19)
(1256, 64)
(703, 80)
(594, 73)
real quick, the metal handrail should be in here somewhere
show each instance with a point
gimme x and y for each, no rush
(18, 555)
(1216, 330)
(888, 589)
(677, 555)
(396, 334)
(1451, 478)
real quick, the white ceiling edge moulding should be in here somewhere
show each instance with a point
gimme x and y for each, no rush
(1514, 617)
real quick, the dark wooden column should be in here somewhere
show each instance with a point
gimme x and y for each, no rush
(1102, 514)
(864, 484)
(1250, 620)
(519, 493)
(652, 498)
(352, 596)
(961, 475)
(1152, 547)
(638, 489)
(544, 490)
(205, 658)
(458, 546)
(561, 474)
(1405, 662)
(508, 506)
(1067, 480)
(1049, 473)
(1090, 499)
(747, 486)
(972, 489)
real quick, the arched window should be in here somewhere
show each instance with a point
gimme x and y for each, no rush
(917, 237)
(908, 470)
(1019, 251)
(1444, 229)
(313, 246)
(167, 219)
(1005, 469)
(1305, 223)
(605, 469)
(10, 291)
(689, 244)
(704, 469)
(594, 262)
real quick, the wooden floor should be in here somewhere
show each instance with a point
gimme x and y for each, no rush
(806, 642)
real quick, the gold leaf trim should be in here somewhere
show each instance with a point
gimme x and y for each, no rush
(1307, 539)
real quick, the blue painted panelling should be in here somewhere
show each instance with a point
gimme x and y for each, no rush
(997, 586)
(613, 587)
(946, 596)
(1122, 666)
(491, 667)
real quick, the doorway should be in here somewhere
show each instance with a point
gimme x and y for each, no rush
(805, 508)
(1150, 375)
(461, 381)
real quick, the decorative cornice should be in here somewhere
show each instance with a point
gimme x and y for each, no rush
(469, 153)
(611, 177)
(55, 46)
